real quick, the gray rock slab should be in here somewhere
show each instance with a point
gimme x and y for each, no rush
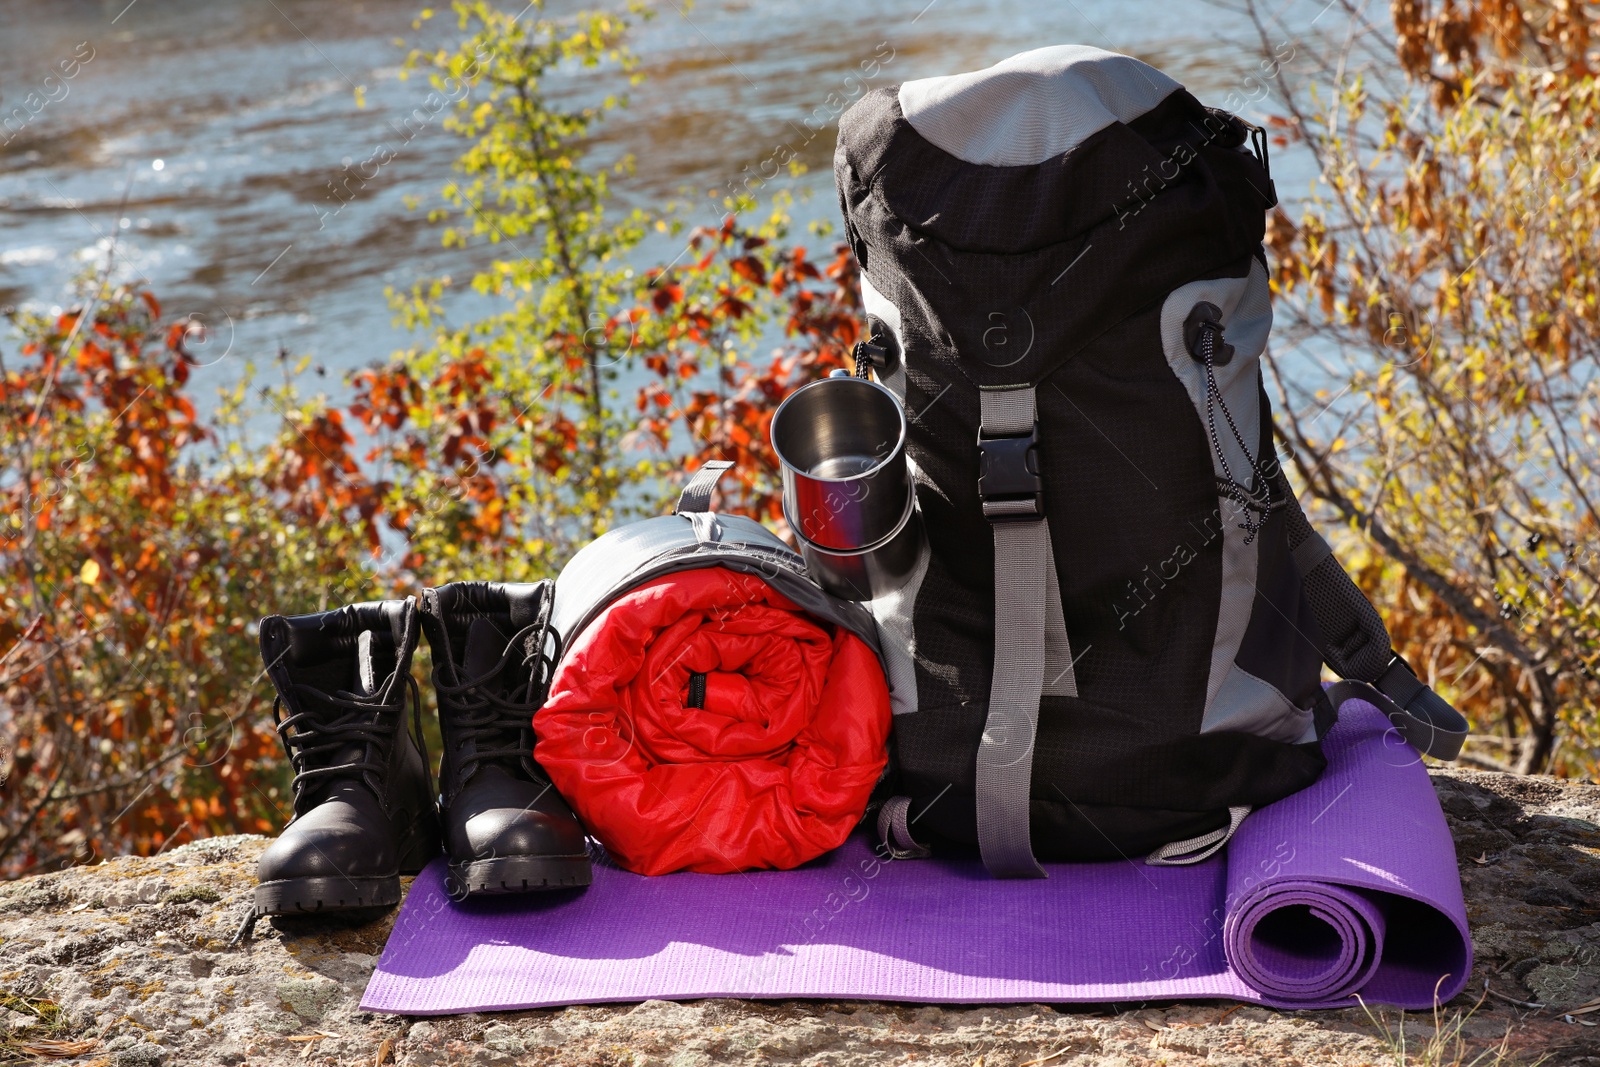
(127, 962)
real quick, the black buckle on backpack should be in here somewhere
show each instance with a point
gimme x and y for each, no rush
(1008, 477)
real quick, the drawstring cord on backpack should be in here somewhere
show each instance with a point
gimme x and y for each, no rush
(864, 351)
(1255, 506)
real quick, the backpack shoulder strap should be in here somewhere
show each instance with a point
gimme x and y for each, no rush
(1355, 644)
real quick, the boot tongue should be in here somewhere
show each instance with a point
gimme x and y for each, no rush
(485, 645)
(369, 678)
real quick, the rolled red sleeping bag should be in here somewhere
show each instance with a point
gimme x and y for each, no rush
(773, 769)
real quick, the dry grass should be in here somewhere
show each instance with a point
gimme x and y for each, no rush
(42, 1038)
(1447, 1045)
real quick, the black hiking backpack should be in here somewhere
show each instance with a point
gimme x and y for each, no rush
(1113, 644)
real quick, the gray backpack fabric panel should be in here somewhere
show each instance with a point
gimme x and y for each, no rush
(878, 306)
(893, 612)
(1235, 699)
(1033, 106)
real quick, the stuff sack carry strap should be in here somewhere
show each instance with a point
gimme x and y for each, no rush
(1031, 650)
(694, 503)
(634, 553)
(696, 495)
(1355, 645)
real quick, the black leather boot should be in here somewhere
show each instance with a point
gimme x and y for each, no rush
(506, 828)
(363, 792)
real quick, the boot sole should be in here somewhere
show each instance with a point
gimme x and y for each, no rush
(311, 896)
(519, 874)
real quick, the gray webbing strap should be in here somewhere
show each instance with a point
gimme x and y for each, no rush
(1023, 566)
(1194, 849)
(894, 831)
(707, 528)
(694, 503)
(1004, 412)
(696, 495)
(1059, 678)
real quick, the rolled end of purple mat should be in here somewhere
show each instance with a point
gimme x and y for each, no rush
(1306, 942)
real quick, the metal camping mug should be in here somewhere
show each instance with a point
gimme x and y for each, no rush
(847, 492)
(868, 573)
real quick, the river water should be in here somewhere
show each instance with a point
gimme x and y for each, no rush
(204, 134)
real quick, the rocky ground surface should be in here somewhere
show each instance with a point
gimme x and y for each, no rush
(127, 963)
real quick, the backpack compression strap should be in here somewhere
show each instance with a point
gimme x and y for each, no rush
(1032, 656)
(1355, 644)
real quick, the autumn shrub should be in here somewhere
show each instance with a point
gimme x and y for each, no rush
(516, 436)
(138, 546)
(1444, 275)
(1446, 259)
(140, 543)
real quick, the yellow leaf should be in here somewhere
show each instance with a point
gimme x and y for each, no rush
(90, 573)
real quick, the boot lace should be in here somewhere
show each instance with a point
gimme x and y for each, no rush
(500, 726)
(308, 740)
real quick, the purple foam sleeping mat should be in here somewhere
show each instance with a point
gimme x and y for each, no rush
(1348, 887)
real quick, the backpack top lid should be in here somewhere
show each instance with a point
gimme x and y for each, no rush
(1063, 189)
(1033, 106)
